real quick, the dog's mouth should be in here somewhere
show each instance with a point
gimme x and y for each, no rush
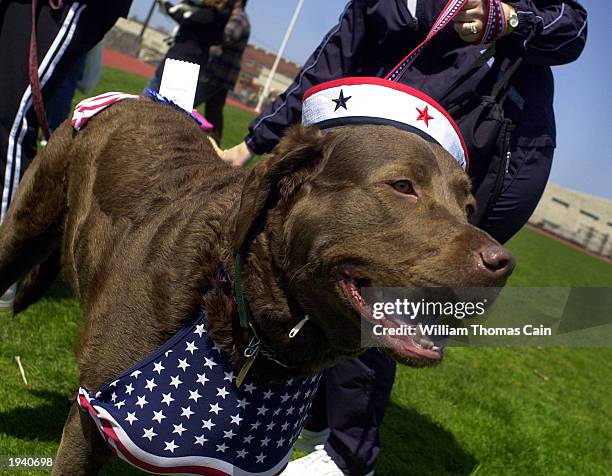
(404, 339)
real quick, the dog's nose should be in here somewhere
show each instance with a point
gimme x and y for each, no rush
(496, 261)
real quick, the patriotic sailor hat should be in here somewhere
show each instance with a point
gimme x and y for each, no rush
(379, 101)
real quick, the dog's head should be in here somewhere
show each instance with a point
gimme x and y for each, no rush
(361, 206)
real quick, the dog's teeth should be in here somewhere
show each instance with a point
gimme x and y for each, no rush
(423, 341)
(427, 344)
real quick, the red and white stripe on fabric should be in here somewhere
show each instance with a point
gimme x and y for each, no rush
(121, 444)
(88, 108)
(383, 100)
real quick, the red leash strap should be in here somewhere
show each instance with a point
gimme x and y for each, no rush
(494, 28)
(37, 97)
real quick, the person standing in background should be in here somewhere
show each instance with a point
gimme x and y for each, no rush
(372, 36)
(213, 34)
(64, 31)
(200, 26)
(221, 73)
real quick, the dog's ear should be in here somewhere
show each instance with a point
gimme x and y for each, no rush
(275, 179)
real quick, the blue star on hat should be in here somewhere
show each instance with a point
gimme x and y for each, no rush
(341, 101)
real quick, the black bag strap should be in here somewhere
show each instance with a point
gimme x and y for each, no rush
(501, 88)
(475, 66)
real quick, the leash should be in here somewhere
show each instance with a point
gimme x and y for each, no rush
(37, 97)
(494, 28)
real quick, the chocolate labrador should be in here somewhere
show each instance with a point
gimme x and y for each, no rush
(146, 214)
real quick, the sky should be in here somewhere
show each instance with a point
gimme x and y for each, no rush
(583, 89)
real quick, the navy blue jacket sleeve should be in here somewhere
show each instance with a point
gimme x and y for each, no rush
(555, 31)
(332, 59)
(343, 52)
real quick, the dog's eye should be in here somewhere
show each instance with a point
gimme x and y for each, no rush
(404, 186)
(469, 210)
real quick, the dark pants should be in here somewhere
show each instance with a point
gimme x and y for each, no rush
(353, 396)
(63, 36)
(59, 106)
(351, 401)
(212, 96)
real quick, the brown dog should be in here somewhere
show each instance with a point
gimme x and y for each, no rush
(147, 214)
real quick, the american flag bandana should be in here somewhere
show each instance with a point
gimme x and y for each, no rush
(179, 411)
(88, 108)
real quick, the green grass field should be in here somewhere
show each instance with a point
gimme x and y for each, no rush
(484, 411)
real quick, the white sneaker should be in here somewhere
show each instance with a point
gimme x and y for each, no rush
(7, 299)
(317, 463)
(309, 440)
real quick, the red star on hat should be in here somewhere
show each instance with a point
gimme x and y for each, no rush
(424, 116)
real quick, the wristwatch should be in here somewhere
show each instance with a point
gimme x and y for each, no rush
(513, 19)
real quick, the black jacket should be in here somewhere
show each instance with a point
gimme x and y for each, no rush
(372, 36)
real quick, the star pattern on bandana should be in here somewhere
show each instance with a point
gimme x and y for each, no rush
(424, 116)
(185, 402)
(341, 101)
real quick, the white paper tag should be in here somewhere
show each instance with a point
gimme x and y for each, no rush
(179, 82)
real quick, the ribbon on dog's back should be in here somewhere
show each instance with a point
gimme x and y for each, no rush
(493, 29)
(88, 108)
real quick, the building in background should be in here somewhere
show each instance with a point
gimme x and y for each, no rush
(583, 219)
(256, 62)
(256, 66)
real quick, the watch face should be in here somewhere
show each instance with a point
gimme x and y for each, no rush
(514, 21)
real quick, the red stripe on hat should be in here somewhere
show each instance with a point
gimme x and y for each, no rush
(367, 80)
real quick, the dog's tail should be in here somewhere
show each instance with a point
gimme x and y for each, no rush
(33, 226)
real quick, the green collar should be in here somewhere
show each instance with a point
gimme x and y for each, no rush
(243, 308)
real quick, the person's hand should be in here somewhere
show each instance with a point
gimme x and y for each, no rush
(470, 21)
(215, 146)
(238, 156)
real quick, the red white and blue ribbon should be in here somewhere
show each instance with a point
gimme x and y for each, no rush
(88, 108)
